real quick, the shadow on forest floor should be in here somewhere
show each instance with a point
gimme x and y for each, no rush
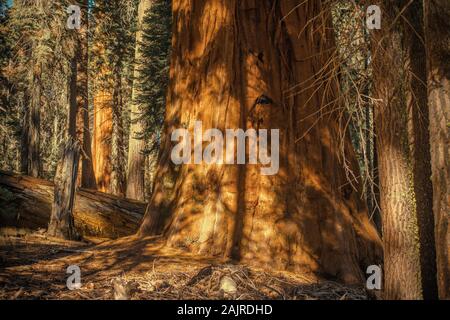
(34, 267)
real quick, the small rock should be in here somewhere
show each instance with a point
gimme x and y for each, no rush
(121, 290)
(90, 286)
(228, 285)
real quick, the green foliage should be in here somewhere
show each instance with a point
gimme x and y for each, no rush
(355, 75)
(152, 86)
(112, 32)
(39, 39)
(112, 41)
(33, 33)
(8, 120)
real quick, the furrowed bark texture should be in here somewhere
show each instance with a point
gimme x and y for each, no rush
(102, 138)
(103, 108)
(401, 120)
(417, 100)
(437, 34)
(226, 54)
(61, 219)
(118, 179)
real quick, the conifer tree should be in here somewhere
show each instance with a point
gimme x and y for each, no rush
(150, 84)
(111, 56)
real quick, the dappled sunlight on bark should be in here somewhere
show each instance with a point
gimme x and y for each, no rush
(305, 218)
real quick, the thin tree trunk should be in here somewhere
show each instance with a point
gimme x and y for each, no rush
(234, 65)
(24, 138)
(136, 145)
(378, 218)
(402, 153)
(61, 220)
(87, 170)
(118, 183)
(151, 163)
(73, 105)
(417, 100)
(400, 234)
(437, 34)
(34, 158)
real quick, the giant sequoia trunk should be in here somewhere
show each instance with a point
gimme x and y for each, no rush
(136, 145)
(437, 26)
(235, 65)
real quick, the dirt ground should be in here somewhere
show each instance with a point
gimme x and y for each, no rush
(33, 266)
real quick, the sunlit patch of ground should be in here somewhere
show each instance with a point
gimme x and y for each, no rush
(33, 266)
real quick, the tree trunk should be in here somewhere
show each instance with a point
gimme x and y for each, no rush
(118, 183)
(26, 202)
(136, 145)
(103, 110)
(34, 135)
(61, 219)
(151, 164)
(378, 219)
(73, 104)
(87, 170)
(24, 135)
(102, 139)
(417, 100)
(437, 34)
(401, 126)
(243, 64)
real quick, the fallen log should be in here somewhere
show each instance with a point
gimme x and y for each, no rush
(26, 202)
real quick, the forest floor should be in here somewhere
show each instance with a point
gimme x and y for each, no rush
(33, 266)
